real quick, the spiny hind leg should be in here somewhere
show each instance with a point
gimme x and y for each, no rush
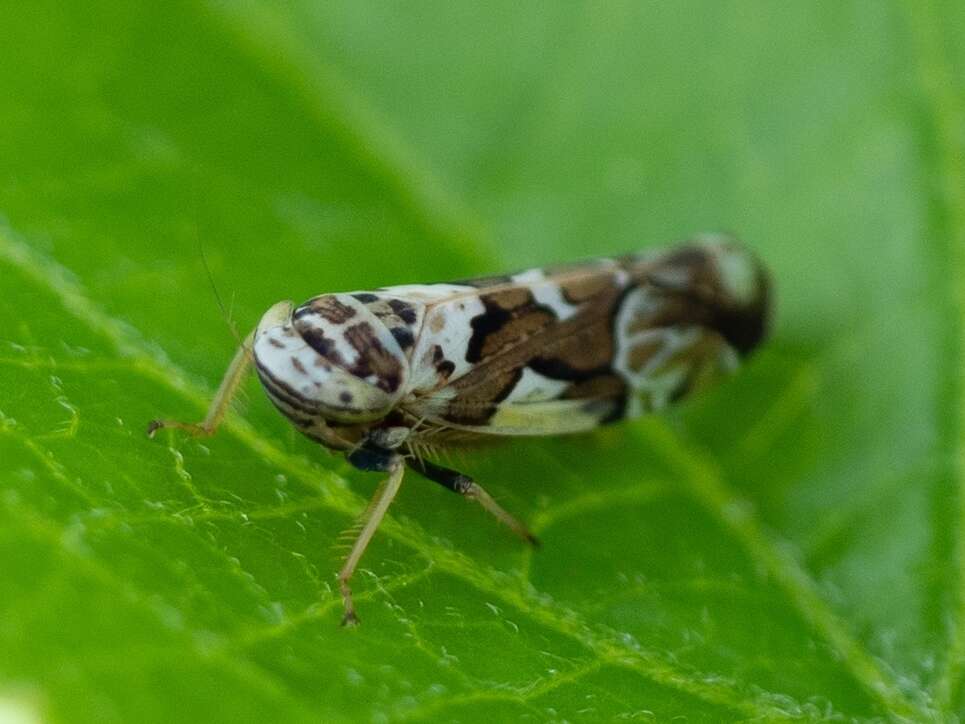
(471, 490)
(227, 390)
(371, 519)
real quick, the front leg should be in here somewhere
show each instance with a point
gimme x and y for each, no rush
(222, 400)
(369, 458)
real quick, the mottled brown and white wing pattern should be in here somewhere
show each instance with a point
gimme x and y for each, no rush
(566, 349)
(544, 351)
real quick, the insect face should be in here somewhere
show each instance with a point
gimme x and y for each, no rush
(328, 360)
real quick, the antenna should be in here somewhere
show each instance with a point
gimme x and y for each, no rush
(226, 315)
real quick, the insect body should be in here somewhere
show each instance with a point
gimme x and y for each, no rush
(389, 375)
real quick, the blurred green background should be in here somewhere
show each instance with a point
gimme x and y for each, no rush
(789, 545)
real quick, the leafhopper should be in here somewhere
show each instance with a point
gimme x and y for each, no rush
(388, 376)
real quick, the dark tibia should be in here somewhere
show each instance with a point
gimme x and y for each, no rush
(470, 489)
(450, 479)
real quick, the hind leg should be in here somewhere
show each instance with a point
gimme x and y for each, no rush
(471, 490)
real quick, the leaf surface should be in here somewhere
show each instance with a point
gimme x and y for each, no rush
(788, 545)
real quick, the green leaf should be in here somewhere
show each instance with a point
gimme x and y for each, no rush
(789, 545)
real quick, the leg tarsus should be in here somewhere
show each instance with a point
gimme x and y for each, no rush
(350, 619)
(195, 429)
(471, 490)
(476, 492)
(230, 383)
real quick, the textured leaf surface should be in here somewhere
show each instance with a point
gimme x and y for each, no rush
(789, 545)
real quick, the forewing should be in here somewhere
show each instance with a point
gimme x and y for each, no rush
(554, 351)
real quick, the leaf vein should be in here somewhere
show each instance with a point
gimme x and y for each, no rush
(712, 492)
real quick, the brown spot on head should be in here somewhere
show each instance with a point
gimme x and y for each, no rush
(297, 364)
(403, 336)
(404, 310)
(331, 309)
(373, 358)
(390, 311)
(275, 343)
(317, 340)
(437, 322)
